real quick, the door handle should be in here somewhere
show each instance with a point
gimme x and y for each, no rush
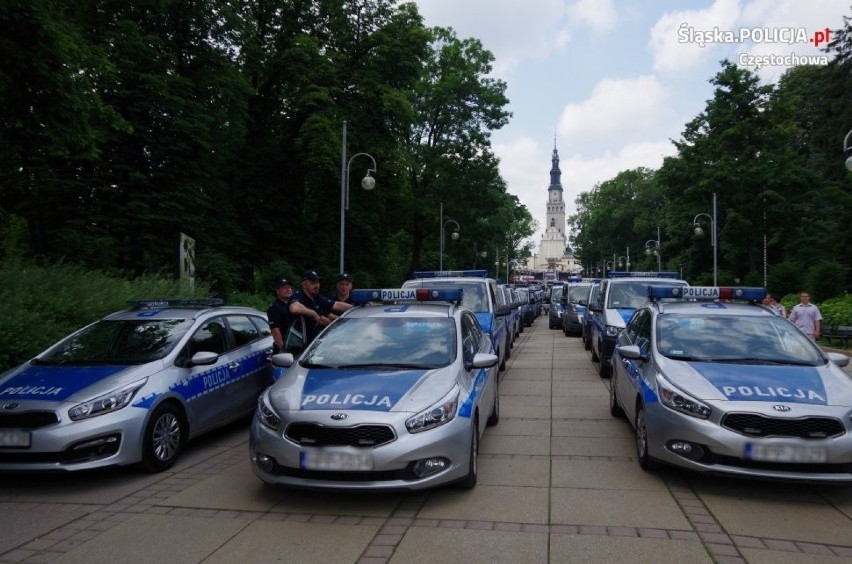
(234, 366)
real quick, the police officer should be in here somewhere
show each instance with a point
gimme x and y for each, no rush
(343, 289)
(316, 309)
(278, 313)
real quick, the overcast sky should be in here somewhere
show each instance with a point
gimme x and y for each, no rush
(615, 80)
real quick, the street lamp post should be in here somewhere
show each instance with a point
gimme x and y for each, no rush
(625, 260)
(455, 234)
(847, 150)
(653, 246)
(699, 232)
(367, 183)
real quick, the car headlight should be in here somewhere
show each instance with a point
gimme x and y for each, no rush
(266, 414)
(679, 401)
(612, 331)
(441, 412)
(106, 403)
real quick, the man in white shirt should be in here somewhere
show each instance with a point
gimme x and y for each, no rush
(806, 316)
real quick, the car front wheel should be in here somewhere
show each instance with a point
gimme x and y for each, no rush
(469, 481)
(642, 441)
(614, 407)
(164, 436)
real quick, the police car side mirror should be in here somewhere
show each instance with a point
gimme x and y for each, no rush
(582, 302)
(203, 358)
(503, 310)
(482, 360)
(631, 352)
(284, 360)
(594, 306)
(839, 359)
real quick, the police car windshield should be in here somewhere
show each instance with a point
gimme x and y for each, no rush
(633, 294)
(390, 342)
(119, 342)
(751, 339)
(577, 292)
(473, 293)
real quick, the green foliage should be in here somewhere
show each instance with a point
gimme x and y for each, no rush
(826, 279)
(42, 304)
(837, 311)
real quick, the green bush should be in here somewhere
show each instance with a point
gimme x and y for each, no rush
(836, 311)
(826, 279)
(42, 304)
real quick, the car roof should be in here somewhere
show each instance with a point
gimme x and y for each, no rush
(420, 309)
(171, 312)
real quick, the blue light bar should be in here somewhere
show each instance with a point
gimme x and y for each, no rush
(639, 274)
(707, 293)
(197, 302)
(396, 295)
(450, 273)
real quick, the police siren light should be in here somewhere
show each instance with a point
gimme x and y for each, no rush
(450, 273)
(396, 295)
(639, 274)
(706, 293)
(197, 302)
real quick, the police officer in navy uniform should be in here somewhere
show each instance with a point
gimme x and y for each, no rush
(278, 313)
(316, 309)
(343, 289)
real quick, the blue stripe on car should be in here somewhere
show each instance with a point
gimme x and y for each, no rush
(54, 382)
(466, 408)
(374, 390)
(790, 384)
(211, 379)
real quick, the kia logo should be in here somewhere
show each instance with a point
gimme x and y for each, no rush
(339, 416)
(781, 407)
(11, 405)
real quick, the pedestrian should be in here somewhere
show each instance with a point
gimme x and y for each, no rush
(343, 289)
(278, 313)
(806, 316)
(317, 310)
(777, 307)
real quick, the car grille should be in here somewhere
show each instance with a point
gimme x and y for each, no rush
(404, 474)
(311, 434)
(28, 419)
(753, 425)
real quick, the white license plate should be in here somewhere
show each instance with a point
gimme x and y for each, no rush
(785, 453)
(335, 460)
(14, 439)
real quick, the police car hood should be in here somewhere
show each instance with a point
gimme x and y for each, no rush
(389, 390)
(51, 382)
(720, 381)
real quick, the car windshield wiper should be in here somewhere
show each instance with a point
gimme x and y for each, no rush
(387, 365)
(688, 358)
(773, 361)
(315, 365)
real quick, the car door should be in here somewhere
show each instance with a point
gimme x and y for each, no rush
(482, 380)
(225, 389)
(631, 372)
(251, 352)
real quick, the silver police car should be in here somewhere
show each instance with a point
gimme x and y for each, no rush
(718, 386)
(134, 387)
(391, 396)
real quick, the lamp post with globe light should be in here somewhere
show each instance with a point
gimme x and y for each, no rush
(367, 183)
(455, 235)
(699, 232)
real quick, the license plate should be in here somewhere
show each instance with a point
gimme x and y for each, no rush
(14, 439)
(785, 453)
(335, 460)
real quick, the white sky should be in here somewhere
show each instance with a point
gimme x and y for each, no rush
(615, 80)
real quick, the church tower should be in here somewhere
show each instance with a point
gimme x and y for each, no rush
(555, 259)
(552, 248)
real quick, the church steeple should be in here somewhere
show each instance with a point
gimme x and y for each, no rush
(555, 173)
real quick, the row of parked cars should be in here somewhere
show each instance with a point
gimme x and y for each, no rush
(713, 381)
(395, 395)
